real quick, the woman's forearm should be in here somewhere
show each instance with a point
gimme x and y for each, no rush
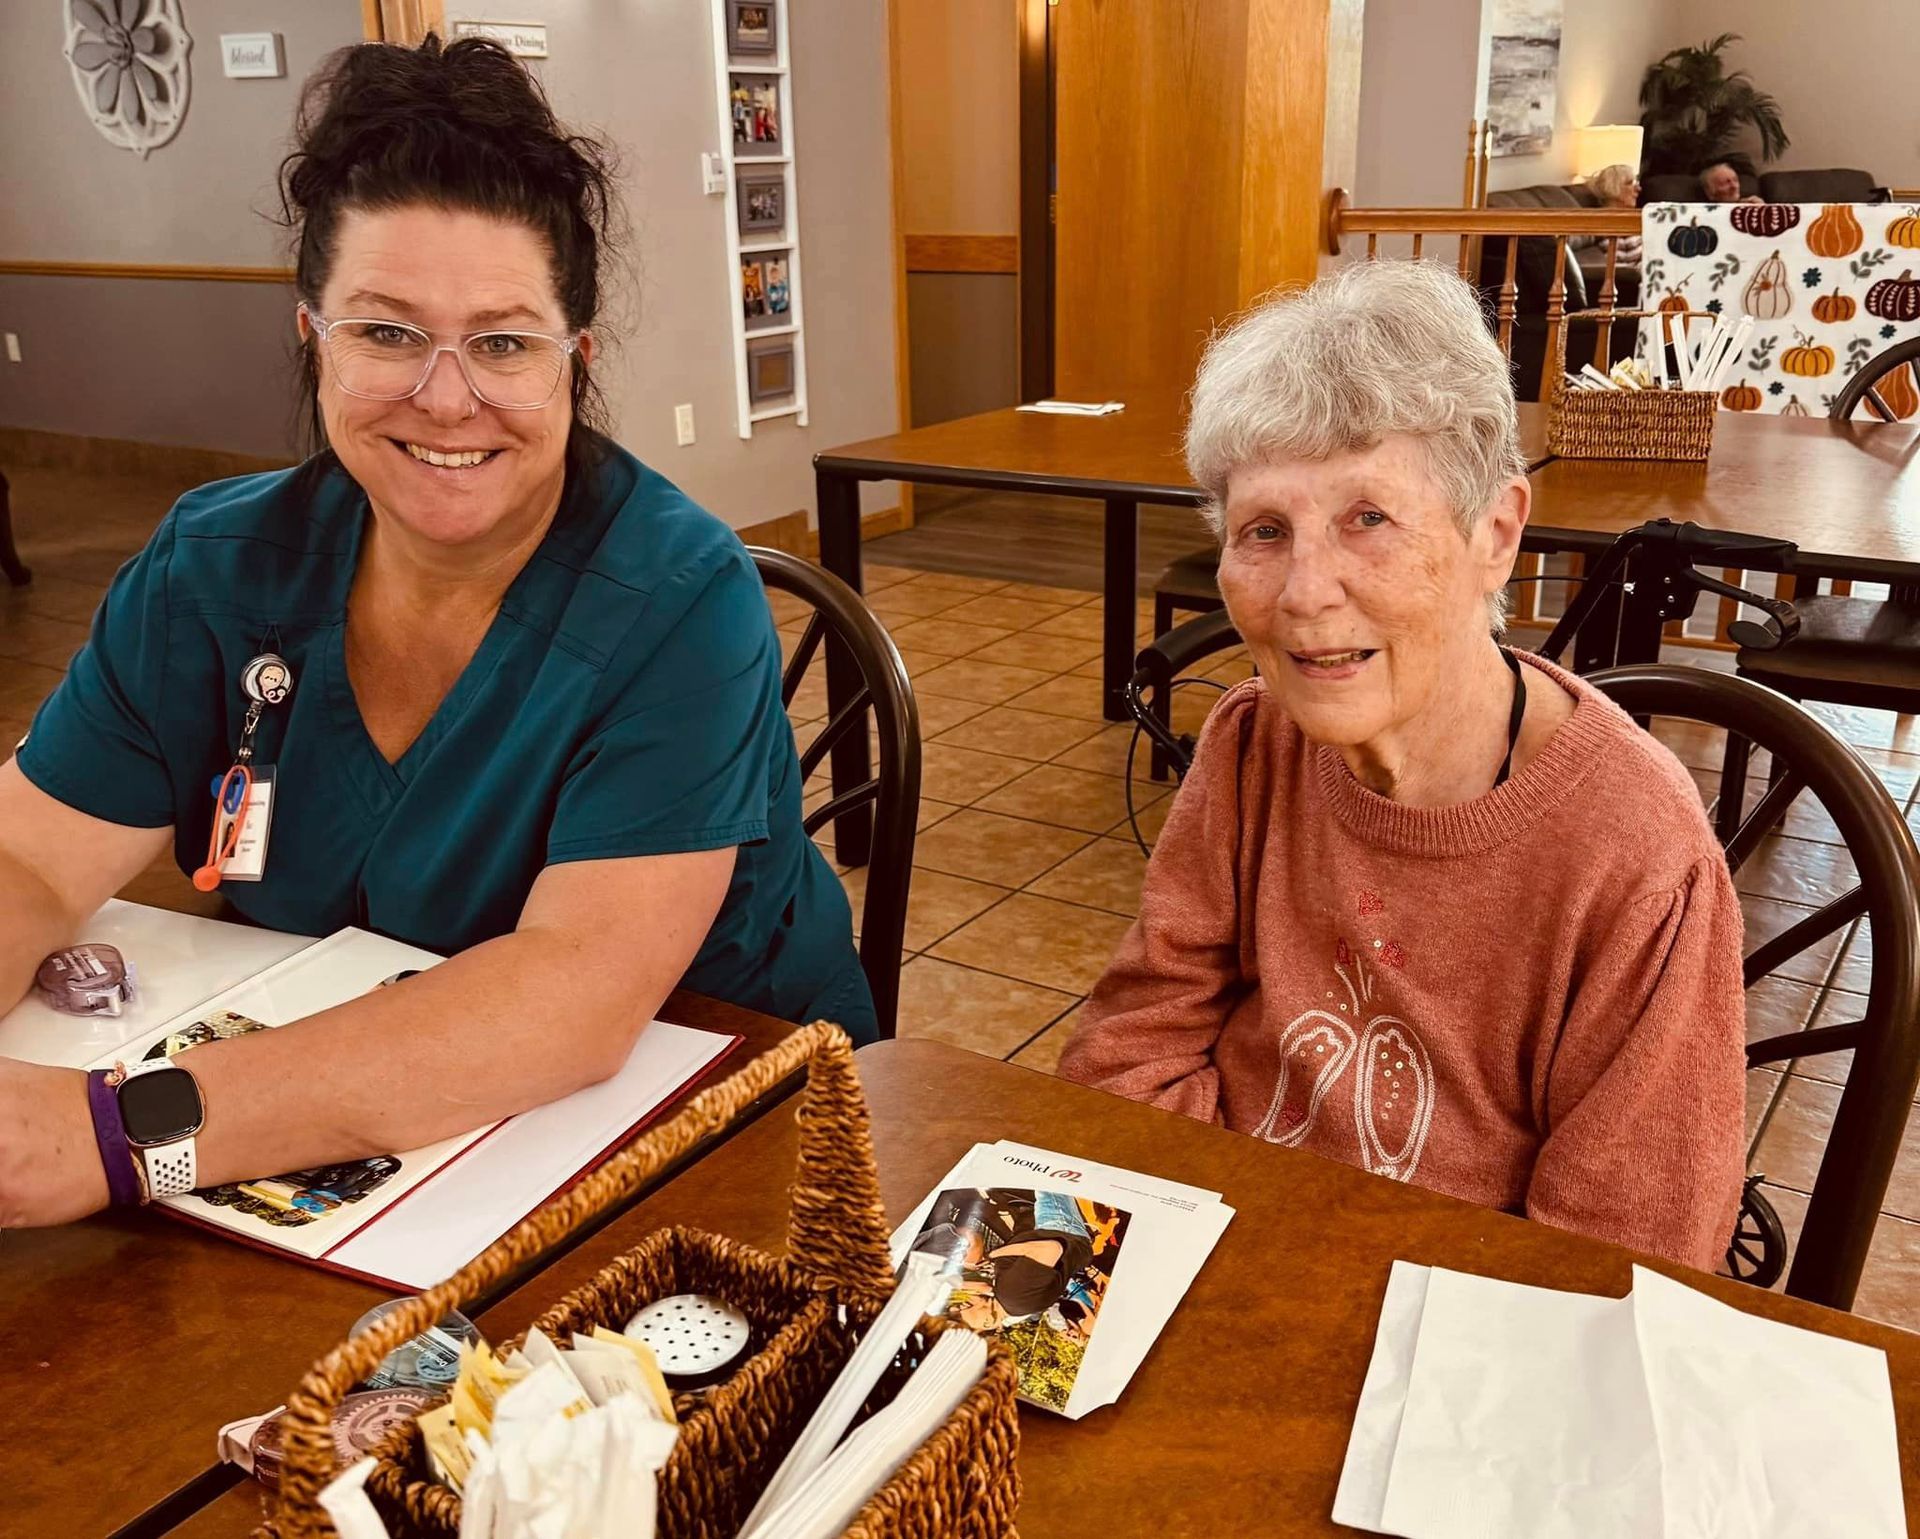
(511, 1024)
(33, 923)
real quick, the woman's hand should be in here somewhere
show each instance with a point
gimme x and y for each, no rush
(50, 1171)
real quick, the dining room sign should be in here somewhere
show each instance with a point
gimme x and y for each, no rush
(1827, 286)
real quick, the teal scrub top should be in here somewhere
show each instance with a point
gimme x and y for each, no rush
(625, 701)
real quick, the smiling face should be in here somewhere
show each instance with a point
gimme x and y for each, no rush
(442, 464)
(1721, 184)
(1354, 587)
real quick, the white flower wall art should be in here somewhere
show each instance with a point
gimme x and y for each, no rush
(129, 64)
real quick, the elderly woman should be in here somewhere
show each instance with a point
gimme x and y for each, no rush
(1619, 187)
(1424, 905)
(520, 695)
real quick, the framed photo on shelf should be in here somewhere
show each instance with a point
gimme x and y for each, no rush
(770, 371)
(750, 26)
(762, 198)
(753, 103)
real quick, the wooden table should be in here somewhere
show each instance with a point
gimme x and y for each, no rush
(1237, 1422)
(129, 1340)
(1124, 460)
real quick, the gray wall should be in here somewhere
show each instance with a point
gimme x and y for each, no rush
(965, 356)
(203, 364)
(73, 197)
(1417, 62)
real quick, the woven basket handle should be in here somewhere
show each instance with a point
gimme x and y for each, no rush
(836, 1233)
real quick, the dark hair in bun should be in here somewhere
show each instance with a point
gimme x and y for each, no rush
(459, 126)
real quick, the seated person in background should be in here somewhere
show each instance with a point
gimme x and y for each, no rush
(534, 715)
(1619, 187)
(1424, 905)
(1721, 184)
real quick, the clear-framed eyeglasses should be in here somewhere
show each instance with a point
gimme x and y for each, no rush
(382, 360)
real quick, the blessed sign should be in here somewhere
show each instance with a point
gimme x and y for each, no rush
(251, 55)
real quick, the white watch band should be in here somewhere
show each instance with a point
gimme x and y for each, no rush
(169, 1168)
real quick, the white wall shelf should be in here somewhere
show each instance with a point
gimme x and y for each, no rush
(761, 246)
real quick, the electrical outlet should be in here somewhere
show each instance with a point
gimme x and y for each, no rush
(13, 347)
(683, 425)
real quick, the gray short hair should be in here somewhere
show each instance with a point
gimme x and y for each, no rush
(1376, 350)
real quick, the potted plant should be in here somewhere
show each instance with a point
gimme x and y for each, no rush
(1695, 112)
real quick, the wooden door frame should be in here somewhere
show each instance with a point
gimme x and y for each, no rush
(1036, 200)
(402, 21)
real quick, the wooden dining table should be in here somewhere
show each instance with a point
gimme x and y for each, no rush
(1847, 495)
(1237, 1422)
(128, 1340)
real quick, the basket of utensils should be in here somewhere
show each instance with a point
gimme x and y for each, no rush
(1637, 411)
(806, 1311)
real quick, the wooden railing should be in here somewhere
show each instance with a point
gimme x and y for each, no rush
(1466, 228)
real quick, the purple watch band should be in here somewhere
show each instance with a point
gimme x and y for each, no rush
(103, 1100)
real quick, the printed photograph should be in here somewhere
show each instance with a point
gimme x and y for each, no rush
(216, 1027)
(301, 1197)
(779, 298)
(763, 202)
(754, 104)
(1031, 1267)
(753, 288)
(750, 26)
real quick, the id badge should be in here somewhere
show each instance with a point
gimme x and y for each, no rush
(248, 862)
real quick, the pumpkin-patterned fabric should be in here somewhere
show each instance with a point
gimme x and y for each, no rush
(1828, 286)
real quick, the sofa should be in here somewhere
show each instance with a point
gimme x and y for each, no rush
(1838, 184)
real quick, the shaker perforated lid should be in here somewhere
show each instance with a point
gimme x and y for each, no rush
(693, 1336)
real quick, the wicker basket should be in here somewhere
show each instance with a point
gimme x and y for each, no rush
(807, 1310)
(1631, 424)
(1627, 424)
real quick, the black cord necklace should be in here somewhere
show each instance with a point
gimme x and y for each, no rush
(1514, 717)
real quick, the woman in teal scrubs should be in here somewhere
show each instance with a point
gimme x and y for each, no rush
(534, 719)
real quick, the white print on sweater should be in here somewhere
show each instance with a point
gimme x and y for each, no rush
(1392, 1088)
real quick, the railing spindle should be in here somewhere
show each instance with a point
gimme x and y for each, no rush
(1509, 296)
(1603, 343)
(1373, 247)
(1418, 239)
(1556, 314)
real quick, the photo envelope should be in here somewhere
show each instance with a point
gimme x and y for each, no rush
(1172, 1229)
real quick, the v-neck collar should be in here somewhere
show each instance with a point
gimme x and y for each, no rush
(380, 782)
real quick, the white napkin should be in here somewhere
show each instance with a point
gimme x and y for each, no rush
(1764, 1428)
(1526, 1415)
(1496, 1411)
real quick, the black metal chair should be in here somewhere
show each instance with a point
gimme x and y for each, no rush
(1806, 758)
(1853, 650)
(1878, 1099)
(842, 619)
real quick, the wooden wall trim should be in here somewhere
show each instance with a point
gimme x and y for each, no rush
(176, 271)
(963, 253)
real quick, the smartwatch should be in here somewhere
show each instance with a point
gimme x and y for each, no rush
(161, 1111)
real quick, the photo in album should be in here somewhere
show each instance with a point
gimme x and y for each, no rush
(1032, 1267)
(299, 1197)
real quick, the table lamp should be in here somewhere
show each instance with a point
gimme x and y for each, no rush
(1608, 144)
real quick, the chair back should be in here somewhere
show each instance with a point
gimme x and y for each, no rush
(1877, 1100)
(842, 620)
(1885, 384)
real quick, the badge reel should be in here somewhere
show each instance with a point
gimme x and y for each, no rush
(243, 797)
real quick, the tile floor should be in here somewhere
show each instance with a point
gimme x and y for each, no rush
(1027, 873)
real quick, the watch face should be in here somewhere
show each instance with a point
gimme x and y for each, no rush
(160, 1106)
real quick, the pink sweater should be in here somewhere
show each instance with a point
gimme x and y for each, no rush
(1531, 1001)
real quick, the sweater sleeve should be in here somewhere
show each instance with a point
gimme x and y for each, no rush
(1646, 1089)
(1149, 1028)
